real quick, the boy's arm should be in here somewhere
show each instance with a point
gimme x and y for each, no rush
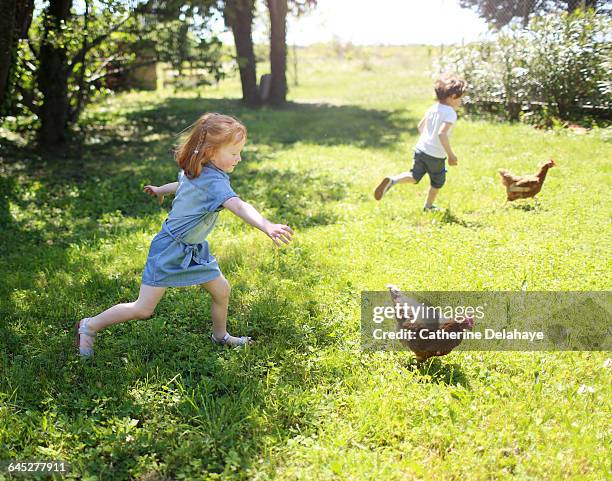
(160, 192)
(251, 216)
(421, 126)
(445, 141)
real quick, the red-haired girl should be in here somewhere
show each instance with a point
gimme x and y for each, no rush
(179, 254)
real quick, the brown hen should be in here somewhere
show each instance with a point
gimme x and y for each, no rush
(425, 348)
(524, 186)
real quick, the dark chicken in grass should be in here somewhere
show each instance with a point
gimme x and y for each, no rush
(423, 349)
(524, 186)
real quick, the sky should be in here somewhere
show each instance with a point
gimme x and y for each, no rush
(392, 22)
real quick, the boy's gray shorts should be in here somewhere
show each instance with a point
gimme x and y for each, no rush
(426, 164)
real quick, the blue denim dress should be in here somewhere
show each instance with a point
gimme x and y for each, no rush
(179, 254)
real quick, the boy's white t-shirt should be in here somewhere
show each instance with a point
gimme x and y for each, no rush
(429, 142)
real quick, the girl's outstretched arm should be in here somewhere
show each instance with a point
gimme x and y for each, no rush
(251, 216)
(160, 192)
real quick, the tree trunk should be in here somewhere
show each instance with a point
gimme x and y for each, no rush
(15, 20)
(239, 17)
(53, 75)
(24, 9)
(7, 41)
(278, 50)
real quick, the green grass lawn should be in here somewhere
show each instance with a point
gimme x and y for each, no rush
(160, 402)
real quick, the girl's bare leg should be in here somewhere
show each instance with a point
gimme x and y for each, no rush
(219, 290)
(142, 308)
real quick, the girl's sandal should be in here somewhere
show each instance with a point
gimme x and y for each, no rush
(242, 341)
(85, 330)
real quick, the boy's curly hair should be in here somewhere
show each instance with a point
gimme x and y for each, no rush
(207, 134)
(449, 86)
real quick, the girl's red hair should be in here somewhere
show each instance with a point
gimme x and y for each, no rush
(207, 134)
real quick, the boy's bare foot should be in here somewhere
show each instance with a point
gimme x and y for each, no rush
(383, 187)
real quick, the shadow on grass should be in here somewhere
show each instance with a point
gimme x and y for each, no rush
(438, 370)
(143, 137)
(320, 124)
(184, 400)
(56, 220)
(209, 417)
(447, 216)
(196, 407)
(104, 173)
(528, 207)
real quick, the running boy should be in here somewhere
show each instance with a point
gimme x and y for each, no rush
(434, 142)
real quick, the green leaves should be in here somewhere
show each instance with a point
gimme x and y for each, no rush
(99, 44)
(556, 67)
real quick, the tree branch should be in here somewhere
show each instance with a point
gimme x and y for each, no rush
(97, 41)
(120, 70)
(103, 65)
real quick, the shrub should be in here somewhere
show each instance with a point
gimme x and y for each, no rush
(557, 67)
